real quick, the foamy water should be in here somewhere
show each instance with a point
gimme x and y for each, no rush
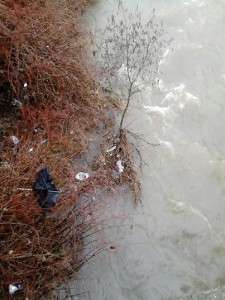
(174, 244)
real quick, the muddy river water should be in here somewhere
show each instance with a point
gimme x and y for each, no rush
(174, 244)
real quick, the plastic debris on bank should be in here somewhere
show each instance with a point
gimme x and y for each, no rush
(14, 139)
(15, 287)
(45, 190)
(81, 176)
(120, 166)
(111, 149)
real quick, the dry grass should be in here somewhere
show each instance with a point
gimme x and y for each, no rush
(43, 66)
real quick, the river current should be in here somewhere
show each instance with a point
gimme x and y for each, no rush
(173, 245)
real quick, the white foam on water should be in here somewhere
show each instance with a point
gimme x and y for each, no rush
(199, 3)
(157, 110)
(203, 217)
(191, 20)
(161, 86)
(177, 206)
(193, 99)
(181, 207)
(168, 146)
(172, 96)
(180, 88)
(179, 97)
(165, 54)
(191, 46)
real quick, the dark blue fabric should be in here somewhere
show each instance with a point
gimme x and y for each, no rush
(45, 190)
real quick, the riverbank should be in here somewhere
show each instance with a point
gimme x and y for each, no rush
(54, 115)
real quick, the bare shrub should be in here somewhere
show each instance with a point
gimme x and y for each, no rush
(129, 56)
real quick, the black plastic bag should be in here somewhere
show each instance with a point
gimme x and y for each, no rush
(45, 190)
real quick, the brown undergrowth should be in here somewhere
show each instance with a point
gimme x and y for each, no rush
(52, 107)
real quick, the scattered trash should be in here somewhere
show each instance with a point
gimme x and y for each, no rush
(111, 149)
(45, 190)
(120, 166)
(6, 165)
(11, 252)
(17, 103)
(14, 139)
(30, 149)
(24, 189)
(25, 85)
(43, 141)
(36, 129)
(15, 287)
(82, 176)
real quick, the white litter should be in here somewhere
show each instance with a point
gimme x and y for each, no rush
(17, 103)
(10, 252)
(31, 149)
(25, 85)
(111, 149)
(14, 139)
(120, 166)
(13, 288)
(6, 165)
(43, 141)
(82, 176)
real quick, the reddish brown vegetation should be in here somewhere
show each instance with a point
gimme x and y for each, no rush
(43, 66)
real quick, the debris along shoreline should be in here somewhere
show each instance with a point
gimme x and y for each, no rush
(50, 109)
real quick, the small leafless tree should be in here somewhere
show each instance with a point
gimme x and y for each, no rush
(130, 53)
